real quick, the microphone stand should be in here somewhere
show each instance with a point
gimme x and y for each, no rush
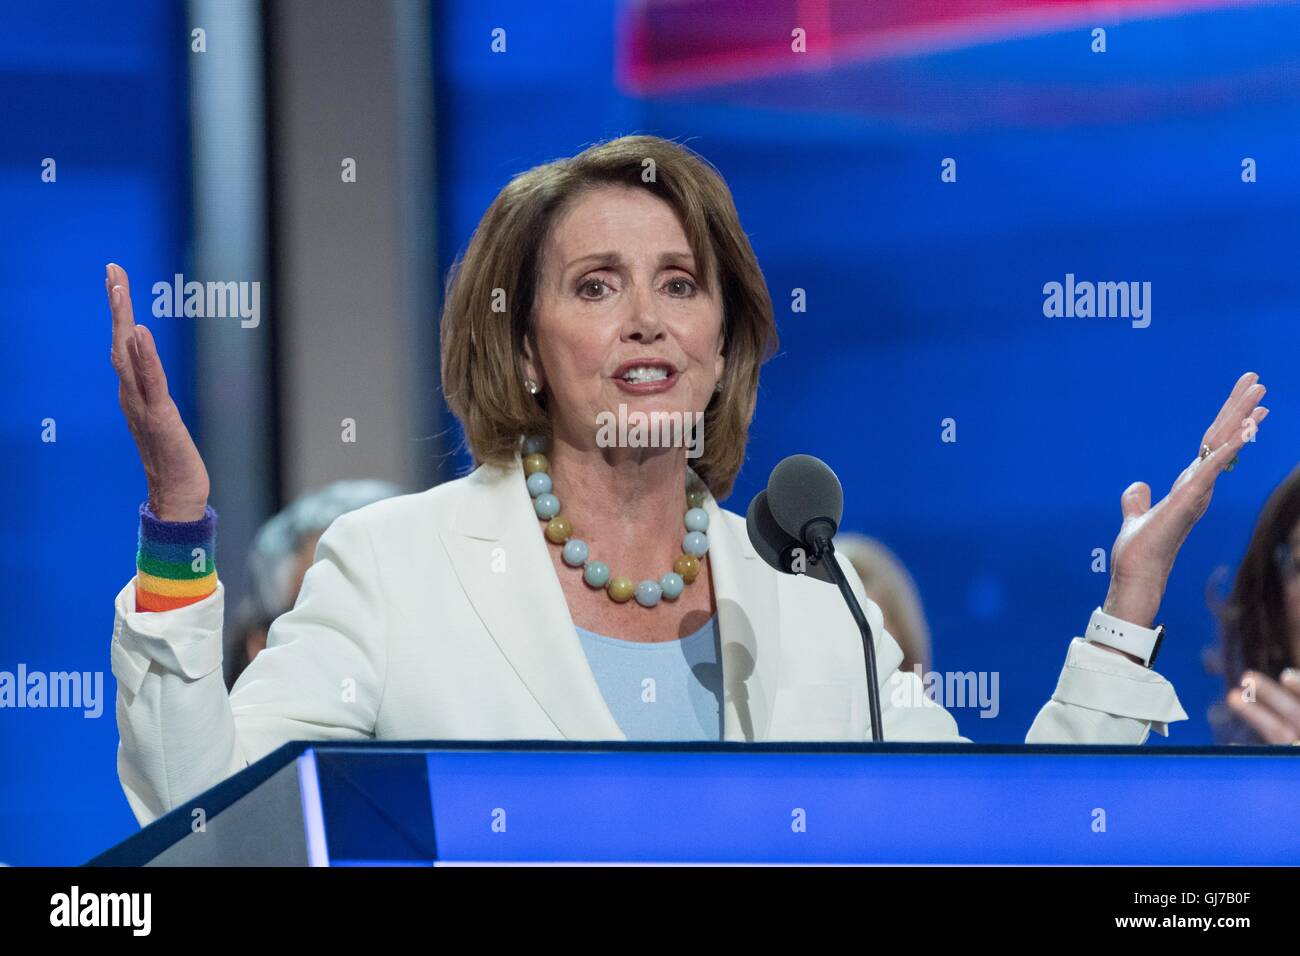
(819, 533)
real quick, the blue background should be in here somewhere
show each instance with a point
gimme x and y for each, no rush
(924, 302)
(101, 91)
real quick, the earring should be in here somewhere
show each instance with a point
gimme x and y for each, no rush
(532, 386)
(718, 387)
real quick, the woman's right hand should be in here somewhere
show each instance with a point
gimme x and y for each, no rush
(1273, 708)
(178, 480)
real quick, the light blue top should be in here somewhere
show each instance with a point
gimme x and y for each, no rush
(670, 690)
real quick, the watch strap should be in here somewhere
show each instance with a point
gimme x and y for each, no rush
(1142, 642)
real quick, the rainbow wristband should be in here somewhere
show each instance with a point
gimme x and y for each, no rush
(176, 563)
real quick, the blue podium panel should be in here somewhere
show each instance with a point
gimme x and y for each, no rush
(457, 803)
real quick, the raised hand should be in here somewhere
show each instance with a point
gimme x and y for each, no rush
(177, 478)
(1149, 538)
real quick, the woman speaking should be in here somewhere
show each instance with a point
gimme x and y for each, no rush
(572, 587)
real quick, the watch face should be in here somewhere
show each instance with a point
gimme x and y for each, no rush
(1155, 648)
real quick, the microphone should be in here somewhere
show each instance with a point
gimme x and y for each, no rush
(791, 525)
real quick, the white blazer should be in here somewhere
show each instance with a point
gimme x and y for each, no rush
(439, 615)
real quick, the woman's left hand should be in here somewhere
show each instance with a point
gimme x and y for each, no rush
(1149, 538)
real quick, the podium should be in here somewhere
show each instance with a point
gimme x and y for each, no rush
(436, 803)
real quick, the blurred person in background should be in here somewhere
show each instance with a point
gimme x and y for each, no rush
(887, 582)
(283, 550)
(1259, 626)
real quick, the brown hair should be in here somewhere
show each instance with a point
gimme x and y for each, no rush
(482, 356)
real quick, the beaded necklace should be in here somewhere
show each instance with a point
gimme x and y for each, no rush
(695, 543)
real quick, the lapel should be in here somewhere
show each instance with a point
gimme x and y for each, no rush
(503, 564)
(500, 556)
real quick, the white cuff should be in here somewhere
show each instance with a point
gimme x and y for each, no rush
(185, 641)
(1111, 683)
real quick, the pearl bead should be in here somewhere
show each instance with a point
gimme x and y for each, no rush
(546, 505)
(696, 497)
(672, 585)
(535, 462)
(539, 483)
(596, 573)
(648, 593)
(696, 543)
(621, 589)
(688, 566)
(534, 445)
(697, 519)
(558, 530)
(575, 552)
